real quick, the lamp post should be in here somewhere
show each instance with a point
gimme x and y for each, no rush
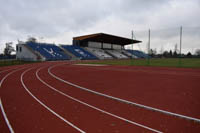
(181, 30)
(148, 62)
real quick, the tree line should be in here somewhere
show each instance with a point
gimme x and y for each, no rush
(8, 50)
(173, 54)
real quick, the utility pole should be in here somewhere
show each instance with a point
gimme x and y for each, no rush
(149, 42)
(132, 46)
(181, 30)
(149, 47)
(132, 38)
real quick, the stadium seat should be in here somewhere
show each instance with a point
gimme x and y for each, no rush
(138, 53)
(49, 51)
(117, 54)
(79, 52)
(100, 53)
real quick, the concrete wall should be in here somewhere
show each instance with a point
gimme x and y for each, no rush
(105, 45)
(23, 53)
(116, 46)
(94, 44)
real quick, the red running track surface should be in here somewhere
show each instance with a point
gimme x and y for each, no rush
(172, 89)
(25, 114)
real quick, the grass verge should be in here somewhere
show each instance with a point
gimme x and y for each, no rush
(14, 62)
(161, 62)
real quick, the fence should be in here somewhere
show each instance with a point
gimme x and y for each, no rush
(179, 42)
(162, 40)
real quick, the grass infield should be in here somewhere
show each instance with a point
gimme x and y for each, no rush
(164, 62)
(14, 62)
(161, 62)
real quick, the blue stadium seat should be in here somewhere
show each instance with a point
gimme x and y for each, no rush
(79, 52)
(138, 53)
(49, 51)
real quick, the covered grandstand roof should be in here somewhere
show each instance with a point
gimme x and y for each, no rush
(106, 38)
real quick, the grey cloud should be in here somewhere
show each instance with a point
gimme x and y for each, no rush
(53, 18)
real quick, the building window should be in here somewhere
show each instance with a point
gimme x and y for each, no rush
(20, 49)
(17, 48)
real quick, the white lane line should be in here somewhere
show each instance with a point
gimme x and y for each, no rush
(49, 109)
(93, 107)
(2, 109)
(8, 75)
(1, 105)
(5, 70)
(122, 100)
(5, 117)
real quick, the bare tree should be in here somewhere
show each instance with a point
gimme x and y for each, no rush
(175, 53)
(31, 39)
(153, 52)
(176, 48)
(8, 49)
(161, 50)
(165, 53)
(197, 52)
(189, 54)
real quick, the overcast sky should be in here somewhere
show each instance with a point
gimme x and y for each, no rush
(59, 20)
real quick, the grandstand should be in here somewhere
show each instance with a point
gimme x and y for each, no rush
(129, 54)
(49, 51)
(100, 53)
(106, 46)
(138, 54)
(87, 47)
(117, 54)
(40, 51)
(79, 52)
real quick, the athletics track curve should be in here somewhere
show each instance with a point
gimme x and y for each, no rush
(26, 114)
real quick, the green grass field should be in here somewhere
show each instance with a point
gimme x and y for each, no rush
(13, 62)
(164, 62)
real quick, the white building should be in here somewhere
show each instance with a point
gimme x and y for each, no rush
(23, 52)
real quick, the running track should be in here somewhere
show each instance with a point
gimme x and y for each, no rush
(63, 97)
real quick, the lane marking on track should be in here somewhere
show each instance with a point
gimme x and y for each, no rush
(90, 65)
(5, 117)
(2, 109)
(1, 105)
(5, 70)
(2, 80)
(93, 107)
(45, 106)
(122, 100)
